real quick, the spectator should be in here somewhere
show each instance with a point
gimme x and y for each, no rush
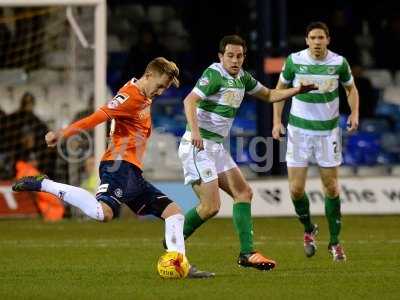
(24, 136)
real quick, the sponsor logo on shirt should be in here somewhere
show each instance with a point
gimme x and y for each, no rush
(303, 69)
(117, 100)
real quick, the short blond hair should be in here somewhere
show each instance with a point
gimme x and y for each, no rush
(162, 65)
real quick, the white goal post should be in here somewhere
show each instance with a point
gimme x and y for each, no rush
(100, 51)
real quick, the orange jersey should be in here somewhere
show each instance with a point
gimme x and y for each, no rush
(130, 111)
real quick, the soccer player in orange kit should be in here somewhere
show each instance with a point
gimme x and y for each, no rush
(121, 166)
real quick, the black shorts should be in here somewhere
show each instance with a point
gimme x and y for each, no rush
(122, 182)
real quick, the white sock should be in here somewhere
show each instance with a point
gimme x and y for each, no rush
(174, 233)
(75, 196)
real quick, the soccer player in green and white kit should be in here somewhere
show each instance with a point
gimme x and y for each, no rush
(313, 132)
(210, 109)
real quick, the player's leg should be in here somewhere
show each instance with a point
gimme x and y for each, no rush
(153, 202)
(73, 195)
(209, 204)
(329, 177)
(329, 158)
(297, 181)
(200, 171)
(299, 152)
(234, 184)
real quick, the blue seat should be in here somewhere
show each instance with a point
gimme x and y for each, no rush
(375, 125)
(388, 110)
(165, 124)
(363, 148)
(247, 110)
(243, 126)
(387, 158)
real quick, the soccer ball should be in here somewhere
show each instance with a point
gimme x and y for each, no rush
(173, 265)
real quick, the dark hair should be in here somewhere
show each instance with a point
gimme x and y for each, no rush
(233, 40)
(317, 25)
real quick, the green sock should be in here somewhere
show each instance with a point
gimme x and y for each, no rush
(243, 225)
(192, 222)
(332, 212)
(302, 208)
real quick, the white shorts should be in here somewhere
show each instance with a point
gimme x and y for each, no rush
(324, 150)
(204, 164)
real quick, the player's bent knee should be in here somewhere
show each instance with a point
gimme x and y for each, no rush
(244, 195)
(170, 210)
(332, 191)
(108, 213)
(296, 192)
(331, 188)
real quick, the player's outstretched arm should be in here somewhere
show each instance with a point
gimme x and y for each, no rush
(84, 124)
(190, 104)
(276, 95)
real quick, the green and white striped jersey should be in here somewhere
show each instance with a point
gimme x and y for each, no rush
(221, 95)
(316, 112)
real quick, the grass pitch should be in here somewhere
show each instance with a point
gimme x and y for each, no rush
(89, 260)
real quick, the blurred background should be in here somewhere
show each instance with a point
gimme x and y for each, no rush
(47, 75)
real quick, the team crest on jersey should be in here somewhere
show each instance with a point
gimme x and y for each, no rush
(117, 100)
(118, 192)
(204, 81)
(331, 70)
(230, 82)
(207, 173)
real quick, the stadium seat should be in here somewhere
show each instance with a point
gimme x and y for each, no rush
(391, 142)
(161, 158)
(244, 127)
(388, 110)
(375, 125)
(380, 78)
(397, 78)
(13, 76)
(169, 125)
(58, 59)
(44, 77)
(391, 94)
(248, 110)
(363, 148)
(7, 103)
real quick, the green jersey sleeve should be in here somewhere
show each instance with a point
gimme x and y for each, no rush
(251, 85)
(344, 72)
(288, 71)
(208, 84)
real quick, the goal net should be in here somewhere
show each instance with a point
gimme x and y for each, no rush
(52, 72)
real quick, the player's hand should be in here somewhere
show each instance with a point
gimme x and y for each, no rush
(306, 87)
(278, 130)
(52, 139)
(197, 141)
(352, 123)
